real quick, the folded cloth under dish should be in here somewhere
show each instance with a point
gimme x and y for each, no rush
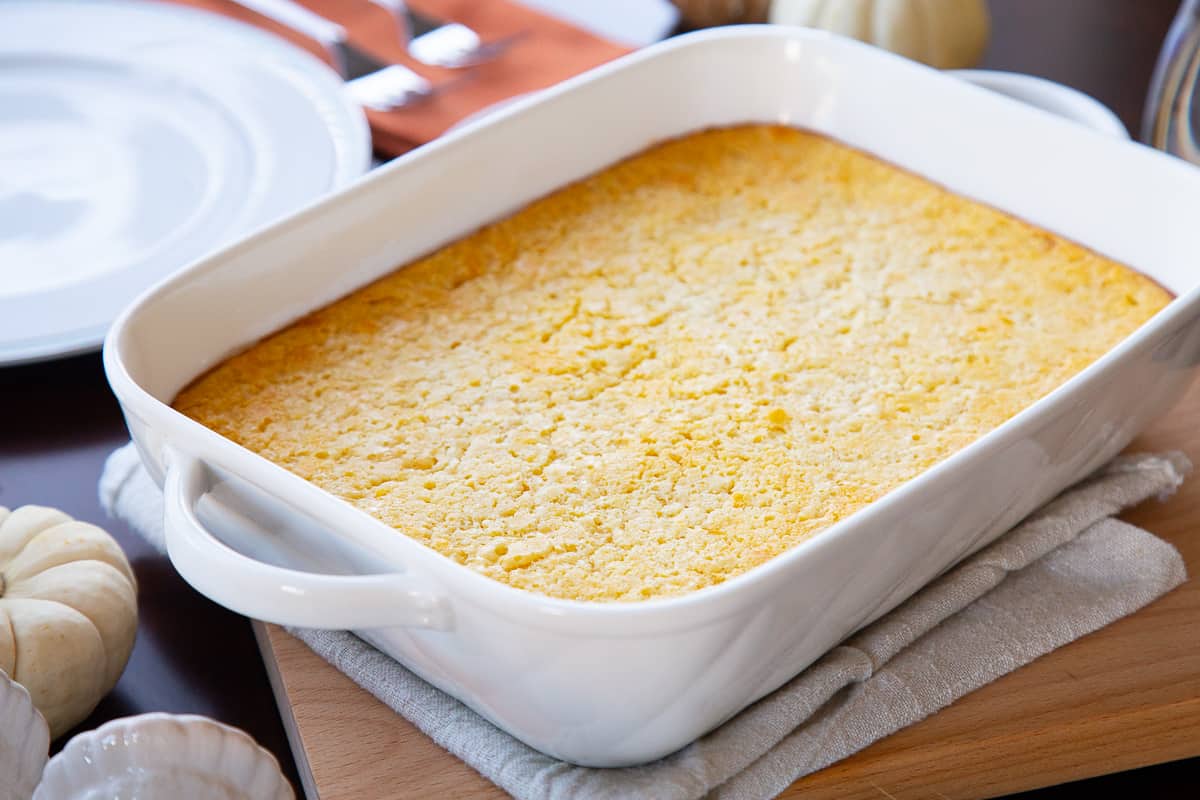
(549, 50)
(1067, 570)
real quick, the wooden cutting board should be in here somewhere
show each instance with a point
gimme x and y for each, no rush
(1123, 697)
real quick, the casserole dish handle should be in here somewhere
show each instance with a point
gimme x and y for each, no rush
(276, 594)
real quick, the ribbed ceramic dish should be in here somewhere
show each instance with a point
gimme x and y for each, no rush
(177, 757)
(624, 683)
(24, 741)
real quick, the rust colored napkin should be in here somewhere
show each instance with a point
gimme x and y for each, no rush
(549, 51)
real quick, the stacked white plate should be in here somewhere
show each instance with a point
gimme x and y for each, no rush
(136, 137)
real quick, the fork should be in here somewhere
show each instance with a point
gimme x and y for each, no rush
(442, 44)
(373, 83)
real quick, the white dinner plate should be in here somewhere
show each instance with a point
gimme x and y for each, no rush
(634, 23)
(136, 137)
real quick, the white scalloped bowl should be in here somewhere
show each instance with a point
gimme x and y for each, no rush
(158, 755)
(1048, 96)
(24, 741)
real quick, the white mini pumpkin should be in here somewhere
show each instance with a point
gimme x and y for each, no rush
(947, 34)
(68, 611)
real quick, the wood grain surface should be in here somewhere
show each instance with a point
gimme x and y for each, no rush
(1123, 697)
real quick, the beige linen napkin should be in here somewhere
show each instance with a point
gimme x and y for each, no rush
(1067, 570)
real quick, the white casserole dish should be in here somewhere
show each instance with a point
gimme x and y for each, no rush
(605, 684)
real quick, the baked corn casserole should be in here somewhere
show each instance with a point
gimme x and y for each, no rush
(672, 371)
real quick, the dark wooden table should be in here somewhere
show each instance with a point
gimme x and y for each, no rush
(58, 422)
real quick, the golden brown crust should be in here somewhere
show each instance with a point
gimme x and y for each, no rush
(672, 371)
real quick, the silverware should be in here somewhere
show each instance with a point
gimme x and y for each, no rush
(439, 43)
(372, 82)
(1172, 116)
